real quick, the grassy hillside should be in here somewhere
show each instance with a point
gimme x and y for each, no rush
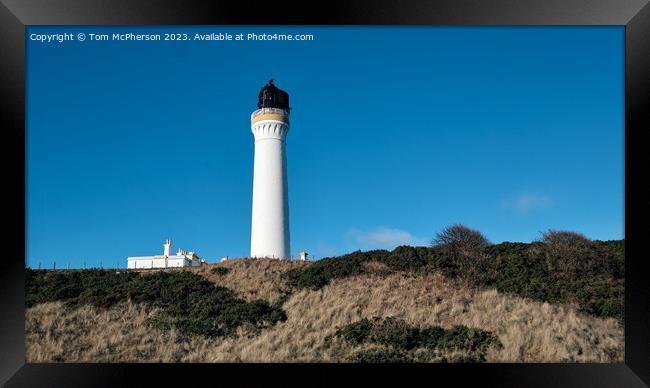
(408, 305)
(596, 284)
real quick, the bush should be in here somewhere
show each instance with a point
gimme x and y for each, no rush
(220, 270)
(460, 236)
(545, 270)
(47, 286)
(356, 333)
(398, 334)
(464, 253)
(319, 273)
(405, 258)
(614, 253)
(313, 277)
(381, 355)
(523, 270)
(571, 255)
(187, 301)
(600, 295)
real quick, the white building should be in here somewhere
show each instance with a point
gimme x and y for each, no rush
(270, 221)
(166, 260)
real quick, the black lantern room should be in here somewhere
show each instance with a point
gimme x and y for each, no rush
(272, 97)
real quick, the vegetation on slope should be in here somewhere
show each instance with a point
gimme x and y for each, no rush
(447, 288)
(530, 331)
(561, 267)
(401, 340)
(252, 279)
(219, 270)
(188, 302)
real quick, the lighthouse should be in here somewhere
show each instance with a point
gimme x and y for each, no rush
(270, 223)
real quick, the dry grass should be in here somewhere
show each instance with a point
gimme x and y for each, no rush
(252, 278)
(529, 331)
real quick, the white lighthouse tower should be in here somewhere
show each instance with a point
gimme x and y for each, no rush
(270, 125)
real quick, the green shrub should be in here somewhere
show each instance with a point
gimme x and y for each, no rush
(319, 273)
(220, 270)
(405, 343)
(468, 358)
(398, 334)
(405, 258)
(314, 276)
(391, 355)
(381, 355)
(599, 295)
(394, 332)
(187, 301)
(531, 270)
(47, 286)
(614, 252)
(571, 255)
(355, 333)
(599, 290)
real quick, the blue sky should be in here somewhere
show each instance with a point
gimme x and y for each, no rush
(396, 132)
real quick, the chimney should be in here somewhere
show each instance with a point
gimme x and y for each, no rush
(168, 247)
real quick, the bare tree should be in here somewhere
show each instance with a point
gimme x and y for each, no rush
(570, 254)
(461, 236)
(465, 253)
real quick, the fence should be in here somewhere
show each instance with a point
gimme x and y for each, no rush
(79, 264)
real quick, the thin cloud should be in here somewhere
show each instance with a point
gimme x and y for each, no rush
(525, 203)
(326, 250)
(381, 238)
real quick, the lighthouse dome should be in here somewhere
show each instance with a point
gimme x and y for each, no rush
(272, 97)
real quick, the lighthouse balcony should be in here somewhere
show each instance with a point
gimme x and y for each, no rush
(270, 114)
(262, 111)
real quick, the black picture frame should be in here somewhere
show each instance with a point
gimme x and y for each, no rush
(15, 15)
